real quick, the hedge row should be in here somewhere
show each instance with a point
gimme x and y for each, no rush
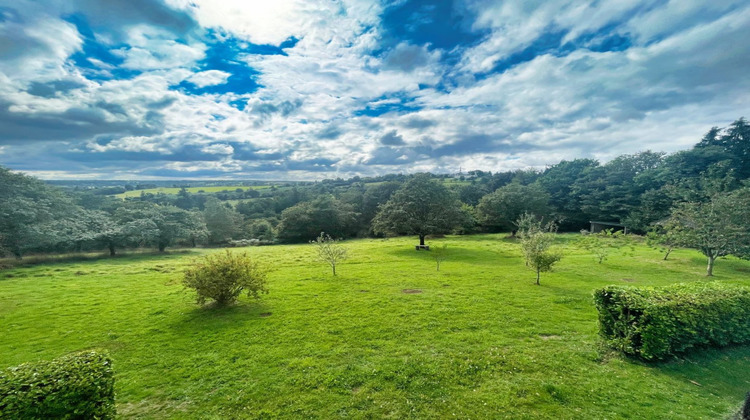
(78, 386)
(654, 323)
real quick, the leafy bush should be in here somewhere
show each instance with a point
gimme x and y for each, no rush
(78, 386)
(222, 277)
(654, 323)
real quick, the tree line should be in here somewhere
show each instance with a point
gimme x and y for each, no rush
(642, 191)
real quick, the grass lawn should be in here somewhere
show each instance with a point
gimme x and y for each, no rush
(192, 190)
(479, 341)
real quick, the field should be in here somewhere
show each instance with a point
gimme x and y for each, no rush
(389, 337)
(192, 190)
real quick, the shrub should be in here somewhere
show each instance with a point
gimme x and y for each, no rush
(78, 386)
(654, 323)
(222, 277)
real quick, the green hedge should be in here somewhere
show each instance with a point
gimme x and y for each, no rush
(78, 386)
(656, 322)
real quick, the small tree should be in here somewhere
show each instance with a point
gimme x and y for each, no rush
(329, 250)
(223, 277)
(600, 244)
(664, 237)
(439, 254)
(536, 243)
(716, 228)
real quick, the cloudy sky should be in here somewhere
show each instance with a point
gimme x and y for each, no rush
(287, 89)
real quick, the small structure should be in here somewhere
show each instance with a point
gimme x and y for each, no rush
(425, 247)
(597, 227)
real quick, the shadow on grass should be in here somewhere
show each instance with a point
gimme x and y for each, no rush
(722, 371)
(455, 254)
(211, 317)
(8, 263)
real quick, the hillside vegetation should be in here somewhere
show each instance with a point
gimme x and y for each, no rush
(388, 337)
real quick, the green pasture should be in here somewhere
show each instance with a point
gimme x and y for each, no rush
(192, 190)
(389, 337)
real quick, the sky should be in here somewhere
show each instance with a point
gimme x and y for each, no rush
(303, 89)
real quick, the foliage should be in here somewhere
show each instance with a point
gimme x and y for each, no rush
(655, 323)
(77, 386)
(439, 253)
(716, 228)
(602, 243)
(330, 250)
(502, 208)
(224, 276)
(665, 237)
(306, 220)
(420, 207)
(222, 221)
(536, 244)
(260, 229)
(33, 215)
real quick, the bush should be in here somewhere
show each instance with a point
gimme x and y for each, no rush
(78, 386)
(223, 277)
(654, 323)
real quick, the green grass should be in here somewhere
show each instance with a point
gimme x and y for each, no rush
(192, 190)
(480, 341)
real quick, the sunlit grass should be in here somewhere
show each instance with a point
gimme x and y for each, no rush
(192, 190)
(475, 340)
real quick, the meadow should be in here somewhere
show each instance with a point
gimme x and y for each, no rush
(192, 190)
(388, 337)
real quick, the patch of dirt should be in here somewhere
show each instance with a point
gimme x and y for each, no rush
(629, 280)
(411, 291)
(265, 314)
(549, 337)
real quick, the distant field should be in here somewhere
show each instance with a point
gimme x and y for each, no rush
(389, 337)
(193, 190)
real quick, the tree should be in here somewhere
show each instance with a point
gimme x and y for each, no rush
(600, 244)
(716, 228)
(501, 209)
(665, 237)
(420, 207)
(330, 251)
(304, 221)
(439, 254)
(33, 215)
(222, 221)
(224, 276)
(536, 244)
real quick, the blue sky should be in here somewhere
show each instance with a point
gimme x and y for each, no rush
(288, 89)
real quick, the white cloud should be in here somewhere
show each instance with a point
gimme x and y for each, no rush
(209, 78)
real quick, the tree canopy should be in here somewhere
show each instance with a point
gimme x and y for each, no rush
(421, 207)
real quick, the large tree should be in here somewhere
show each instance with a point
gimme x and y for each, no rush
(305, 221)
(420, 207)
(222, 221)
(33, 215)
(716, 228)
(499, 210)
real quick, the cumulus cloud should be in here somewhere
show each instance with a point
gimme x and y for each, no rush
(297, 89)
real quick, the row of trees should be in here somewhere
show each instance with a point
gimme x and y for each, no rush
(639, 190)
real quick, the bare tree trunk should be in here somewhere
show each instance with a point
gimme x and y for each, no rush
(710, 268)
(537, 278)
(111, 250)
(333, 266)
(669, 251)
(438, 266)
(421, 240)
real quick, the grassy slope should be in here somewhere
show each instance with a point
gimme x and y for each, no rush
(192, 190)
(480, 341)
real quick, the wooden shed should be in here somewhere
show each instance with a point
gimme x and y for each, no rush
(597, 227)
